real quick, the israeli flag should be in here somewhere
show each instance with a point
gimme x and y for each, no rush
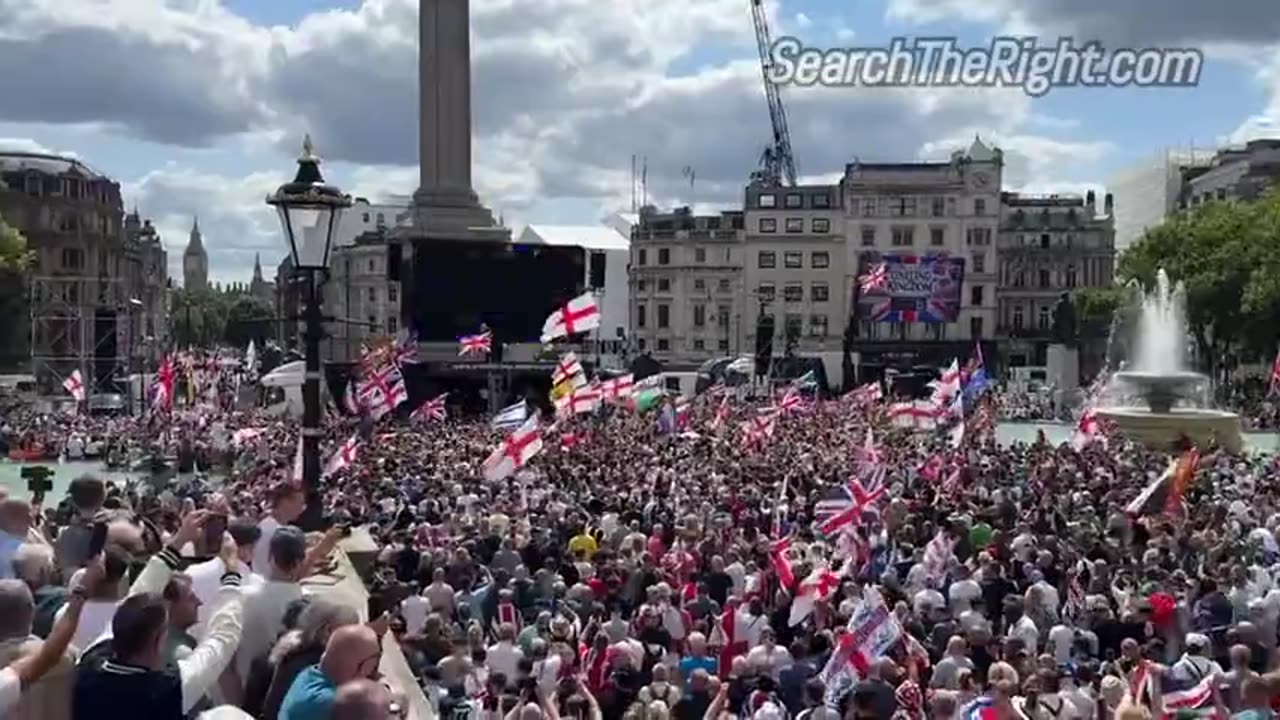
(511, 417)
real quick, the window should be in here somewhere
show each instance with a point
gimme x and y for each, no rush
(365, 217)
(699, 284)
(373, 324)
(373, 266)
(663, 344)
(766, 292)
(868, 236)
(664, 256)
(767, 200)
(699, 345)
(722, 316)
(1071, 276)
(793, 292)
(723, 285)
(795, 225)
(903, 236)
(641, 256)
(869, 207)
(1018, 320)
(699, 315)
(392, 293)
(821, 225)
(723, 345)
(979, 262)
(1044, 278)
(382, 220)
(794, 200)
(768, 225)
(821, 200)
(937, 236)
(978, 237)
(820, 260)
(818, 326)
(819, 292)
(373, 295)
(391, 326)
(641, 285)
(1043, 321)
(902, 207)
(766, 260)
(979, 206)
(1045, 241)
(975, 328)
(641, 315)
(664, 284)
(938, 207)
(700, 255)
(975, 295)
(72, 258)
(793, 260)
(664, 316)
(1020, 279)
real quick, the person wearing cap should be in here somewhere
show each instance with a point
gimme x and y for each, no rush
(1195, 665)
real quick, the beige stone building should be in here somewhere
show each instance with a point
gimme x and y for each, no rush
(686, 285)
(795, 267)
(920, 209)
(1048, 245)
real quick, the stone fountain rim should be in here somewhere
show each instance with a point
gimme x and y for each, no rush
(1138, 377)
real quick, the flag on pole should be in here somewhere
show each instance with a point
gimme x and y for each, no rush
(344, 456)
(74, 384)
(478, 344)
(516, 450)
(577, 316)
(510, 417)
(433, 409)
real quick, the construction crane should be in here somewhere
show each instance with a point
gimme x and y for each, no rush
(777, 162)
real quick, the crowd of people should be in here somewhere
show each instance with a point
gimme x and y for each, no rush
(836, 568)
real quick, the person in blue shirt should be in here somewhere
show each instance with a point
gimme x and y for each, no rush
(352, 653)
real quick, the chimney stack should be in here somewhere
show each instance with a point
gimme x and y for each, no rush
(1091, 201)
(1108, 205)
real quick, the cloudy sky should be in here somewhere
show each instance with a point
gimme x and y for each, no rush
(199, 106)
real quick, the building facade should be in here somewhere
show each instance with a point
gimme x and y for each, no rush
(922, 209)
(360, 296)
(795, 269)
(195, 261)
(1147, 191)
(147, 276)
(92, 282)
(1048, 245)
(686, 286)
(1234, 174)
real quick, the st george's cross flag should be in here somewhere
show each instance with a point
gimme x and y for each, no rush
(74, 384)
(344, 456)
(516, 450)
(576, 316)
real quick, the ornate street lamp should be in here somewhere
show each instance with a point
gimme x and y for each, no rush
(310, 212)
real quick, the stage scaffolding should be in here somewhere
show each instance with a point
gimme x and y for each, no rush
(63, 313)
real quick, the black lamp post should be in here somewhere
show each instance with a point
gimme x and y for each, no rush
(310, 212)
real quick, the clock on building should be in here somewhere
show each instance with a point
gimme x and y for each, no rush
(981, 180)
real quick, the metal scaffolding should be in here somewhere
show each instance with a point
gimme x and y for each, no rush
(63, 312)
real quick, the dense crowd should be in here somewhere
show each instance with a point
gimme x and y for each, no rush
(628, 572)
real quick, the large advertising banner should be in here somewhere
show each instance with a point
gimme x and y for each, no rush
(908, 288)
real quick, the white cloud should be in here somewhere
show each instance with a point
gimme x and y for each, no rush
(803, 21)
(28, 145)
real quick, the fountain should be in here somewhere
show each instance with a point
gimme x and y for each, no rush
(1155, 399)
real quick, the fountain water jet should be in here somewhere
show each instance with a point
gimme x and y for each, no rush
(1158, 377)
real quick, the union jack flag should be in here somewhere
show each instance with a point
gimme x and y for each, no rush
(790, 402)
(877, 278)
(433, 409)
(757, 431)
(845, 505)
(478, 344)
(406, 348)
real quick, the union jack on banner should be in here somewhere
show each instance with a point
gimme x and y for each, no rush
(938, 304)
(478, 344)
(406, 348)
(433, 409)
(877, 278)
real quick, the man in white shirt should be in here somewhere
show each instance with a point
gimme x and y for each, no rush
(414, 611)
(964, 592)
(264, 604)
(287, 504)
(504, 656)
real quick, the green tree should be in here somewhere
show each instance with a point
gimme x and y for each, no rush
(199, 318)
(14, 256)
(1097, 306)
(15, 259)
(248, 318)
(1225, 254)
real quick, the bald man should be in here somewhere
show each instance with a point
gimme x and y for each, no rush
(362, 700)
(352, 653)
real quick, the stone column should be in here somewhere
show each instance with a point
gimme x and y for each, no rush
(444, 86)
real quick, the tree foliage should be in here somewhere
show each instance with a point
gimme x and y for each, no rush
(210, 318)
(1227, 255)
(14, 255)
(1097, 306)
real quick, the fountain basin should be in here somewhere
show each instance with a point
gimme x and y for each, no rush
(1164, 429)
(1161, 390)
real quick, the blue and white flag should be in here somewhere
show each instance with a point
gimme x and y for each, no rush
(511, 417)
